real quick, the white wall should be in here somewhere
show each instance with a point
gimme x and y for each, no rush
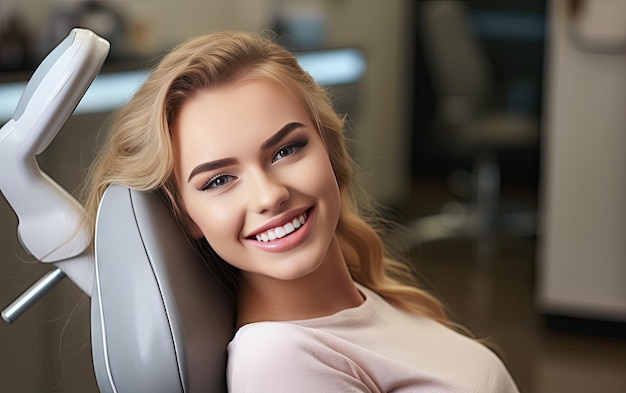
(380, 28)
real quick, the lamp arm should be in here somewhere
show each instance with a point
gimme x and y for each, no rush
(49, 217)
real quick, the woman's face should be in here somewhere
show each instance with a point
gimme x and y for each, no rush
(256, 180)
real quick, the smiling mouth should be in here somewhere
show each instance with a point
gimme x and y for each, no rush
(283, 230)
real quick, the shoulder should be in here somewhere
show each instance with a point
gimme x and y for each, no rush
(269, 347)
(256, 338)
(282, 357)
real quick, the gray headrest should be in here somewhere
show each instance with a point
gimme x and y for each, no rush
(160, 320)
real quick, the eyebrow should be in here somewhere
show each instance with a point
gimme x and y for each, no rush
(280, 134)
(270, 142)
(211, 166)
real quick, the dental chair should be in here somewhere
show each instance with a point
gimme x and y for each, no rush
(160, 320)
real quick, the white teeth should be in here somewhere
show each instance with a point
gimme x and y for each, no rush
(289, 228)
(282, 231)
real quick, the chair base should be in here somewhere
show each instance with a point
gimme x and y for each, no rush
(482, 218)
(459, 222)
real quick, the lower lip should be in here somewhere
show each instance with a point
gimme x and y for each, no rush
(288, 242)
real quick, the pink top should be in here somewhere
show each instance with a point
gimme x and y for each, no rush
(374, 347)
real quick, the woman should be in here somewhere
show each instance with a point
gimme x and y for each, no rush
(251, 157)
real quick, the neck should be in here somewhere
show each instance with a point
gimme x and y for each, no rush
(327, 290)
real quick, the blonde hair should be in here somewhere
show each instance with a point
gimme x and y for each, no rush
(138, 153)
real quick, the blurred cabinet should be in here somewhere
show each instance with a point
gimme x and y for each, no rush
(582, 253)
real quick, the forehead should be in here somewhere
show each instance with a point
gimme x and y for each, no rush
(231, 107)
(220, 121)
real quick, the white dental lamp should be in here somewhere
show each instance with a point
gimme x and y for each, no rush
(49, 217)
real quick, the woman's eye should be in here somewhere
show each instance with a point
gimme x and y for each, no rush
(283, 152)
(217, 182)
(289, 149)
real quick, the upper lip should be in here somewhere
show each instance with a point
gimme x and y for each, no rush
(278, 221)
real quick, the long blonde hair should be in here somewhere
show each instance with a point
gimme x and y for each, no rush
(138, 153)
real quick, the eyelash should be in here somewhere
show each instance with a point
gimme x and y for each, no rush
(211, 184)
(295, 146)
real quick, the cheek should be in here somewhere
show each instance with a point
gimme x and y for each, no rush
(322, 182)
(215, 222)
(335, 199)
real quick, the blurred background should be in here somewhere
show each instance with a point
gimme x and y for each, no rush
(492, 131)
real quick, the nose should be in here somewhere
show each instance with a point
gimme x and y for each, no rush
(267, 193)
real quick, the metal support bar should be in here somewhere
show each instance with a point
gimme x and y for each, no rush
(32, 295)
